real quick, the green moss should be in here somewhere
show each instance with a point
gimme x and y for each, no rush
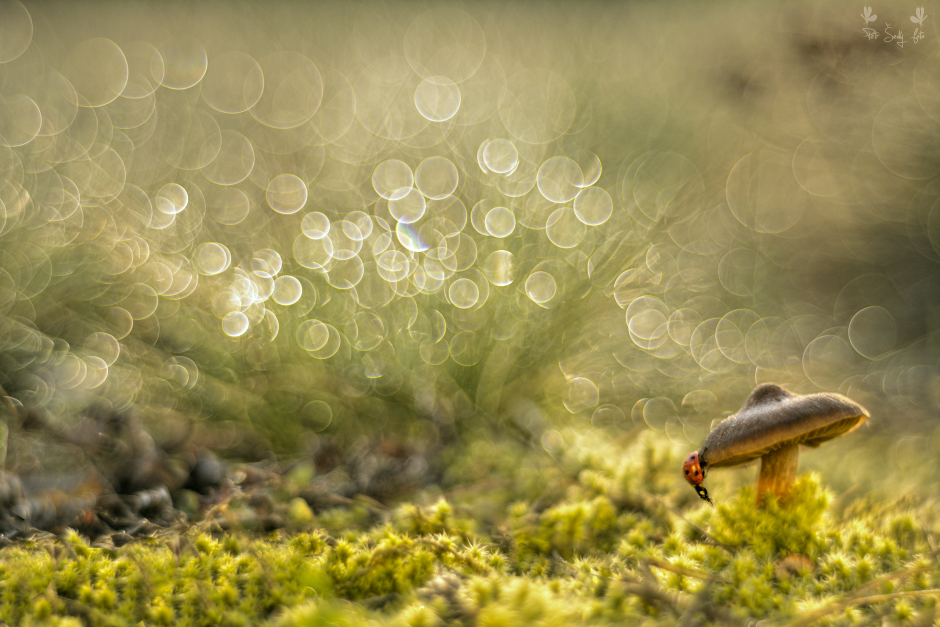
(775, 529)
(321, 614)
(568, 529)
(617, 540)
(439, 518)
(419, 615)
(396, 564)
(511, 602)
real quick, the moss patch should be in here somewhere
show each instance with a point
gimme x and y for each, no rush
(776, 529)
(602, 532)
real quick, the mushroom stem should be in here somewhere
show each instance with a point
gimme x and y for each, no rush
(778, 471)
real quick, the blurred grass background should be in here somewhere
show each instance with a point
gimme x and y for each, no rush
(277, 227)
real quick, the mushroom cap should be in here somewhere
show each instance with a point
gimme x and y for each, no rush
(772, 418)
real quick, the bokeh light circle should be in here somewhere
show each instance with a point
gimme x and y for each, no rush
(235, 324)
(540, 287)
(873, 332)
(392, 179)
(593, 206)
(286, 194)
(16, 30)
(436, 178)
(97, 69)
(437, 98)
(212, 258)
(287, 290)
(500, 222)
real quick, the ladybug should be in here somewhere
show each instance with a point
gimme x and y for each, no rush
(694, 470)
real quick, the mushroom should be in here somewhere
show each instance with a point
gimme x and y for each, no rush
(772, 425)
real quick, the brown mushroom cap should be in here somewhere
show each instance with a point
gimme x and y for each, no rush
(772, 418)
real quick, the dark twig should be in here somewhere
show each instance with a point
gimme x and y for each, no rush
(838, 606)
(655, 596)
(889, 577)
(649, 590)
(686, 572)
(378, 602)
(699, 603)
(675, 512)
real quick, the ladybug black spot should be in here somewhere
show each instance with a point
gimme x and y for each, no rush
(696, 473)
(687, 472)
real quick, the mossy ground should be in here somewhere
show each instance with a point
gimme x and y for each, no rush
(600, 531)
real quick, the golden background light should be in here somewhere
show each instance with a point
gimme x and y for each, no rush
(392, 218)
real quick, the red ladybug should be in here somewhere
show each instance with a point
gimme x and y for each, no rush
(694, 470)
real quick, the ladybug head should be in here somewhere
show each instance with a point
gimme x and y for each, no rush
(692, 469)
